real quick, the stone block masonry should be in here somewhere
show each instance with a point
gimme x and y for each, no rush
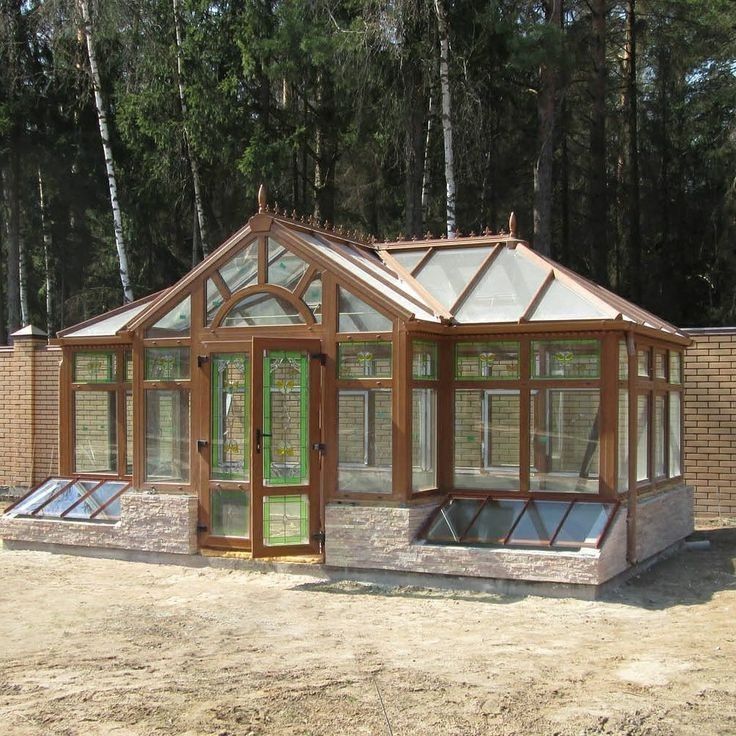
(710, 420)
(149, 522)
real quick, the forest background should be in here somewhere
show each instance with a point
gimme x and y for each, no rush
(134, 135)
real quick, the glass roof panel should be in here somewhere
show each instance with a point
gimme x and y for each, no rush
(448, 270)
(409, 258)
(261, 309)
(560, 302)
(97, 500)
(494, 522)
(175, 323)
(214, 300)
(242, 269)
(539, 522)
(357, 316)
(284, 268)
(584, 524)
(453, 519)
(504, 291)
(39, 496)
(110, 325)
(67, 498)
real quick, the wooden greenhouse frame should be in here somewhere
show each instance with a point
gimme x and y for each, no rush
(388, 278)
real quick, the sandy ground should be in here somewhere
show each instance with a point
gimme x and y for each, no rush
(96, 646)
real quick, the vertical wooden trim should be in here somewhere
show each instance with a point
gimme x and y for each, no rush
(632, 495)
(256, 465)
(139, 411)
(525, 400)
(329, 396)
(262, 260)
(199, 407)
(401, 402)
(607, 421)
(65, 412)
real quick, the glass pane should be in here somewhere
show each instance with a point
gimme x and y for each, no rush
(95, 432)
(167, 435)
(539, 522)
(424, 360)
(62, 502)
(230, 410)
(175, 323)
(409, 258)
(642, 443)
(623, 440)
(167, 364)
(285, 520)
(453, 519)
(565, 359)
(675, 434)
(92, 505)
(97, 367)
(584, 524)
(284, 268)
(564, 431)
(229, 513)
(505, 290)
(128, 365)
(494, 521)
(313, 298)
(479, 360)
(285, 417)
(357, 316)
(675, 367)
(643, 361)
(364, 441)
(487, 439)
(214, 300)
(257, 310)
(660, 365)
(241, 270)
(128, 432)
(660, 434)
(560, 302)
(424, 439)
(448, 270)
(623, 360)
(364, 359)
(39, 496)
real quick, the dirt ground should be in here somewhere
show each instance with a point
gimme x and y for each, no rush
(93, 646)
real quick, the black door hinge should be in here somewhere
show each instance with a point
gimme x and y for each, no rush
(320, 447)
(201, 444)
(321, 357)
(201, 527)
(202, 359)
(319, 537)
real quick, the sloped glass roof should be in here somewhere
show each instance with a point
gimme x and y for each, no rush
(109, 326)
(447, 272)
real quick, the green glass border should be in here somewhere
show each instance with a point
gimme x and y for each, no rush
(364, 344)
(506, 344)
(549, 377)
(280, 540)
(217, 454)
(111, 370)
(177, 374)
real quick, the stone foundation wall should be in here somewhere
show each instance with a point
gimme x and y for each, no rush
(662, 520)
(148, 522)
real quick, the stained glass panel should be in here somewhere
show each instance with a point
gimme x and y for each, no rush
(285, 417)
(364, 359)
(285, 520)
(230, 411)
(167, 364)
(497, 360)
(424, 360)
(95, 367)
(565, 359)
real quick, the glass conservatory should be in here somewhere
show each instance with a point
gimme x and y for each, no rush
(304, 386)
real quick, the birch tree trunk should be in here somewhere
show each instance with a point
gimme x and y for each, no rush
(12, 239)
(426, 172)
(193, 165)
(547, 122)
(22, 281)
(47, 265)
(446, 118)
(107, 150)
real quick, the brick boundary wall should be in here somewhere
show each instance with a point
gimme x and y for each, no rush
(29, 413)
(710, 420)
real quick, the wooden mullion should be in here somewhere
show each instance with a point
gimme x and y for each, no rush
(53, 497)
(462, 536)
(505, 540)
(525, 399)
(82, 498)
(422, 262)
(401, 399)
(553, 537)
(477, 276)
(223, 288)
(632, 491)
(304, 281)
(537, 296)
(608, 417)
(109, 501)
(262, 261)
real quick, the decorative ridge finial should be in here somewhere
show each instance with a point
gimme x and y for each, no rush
(512, 224)
(262, 198)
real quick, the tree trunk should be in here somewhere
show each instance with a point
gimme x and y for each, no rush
(12, 238)
(446, 118)
(325, 149)
(634, 229)
(48, 267)
(107, 151)
(426, 173)
(195, 238)
(193, 164)
(547, 120)
(597, 177)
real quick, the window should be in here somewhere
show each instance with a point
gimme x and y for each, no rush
(262, 309)
(642, 441)
(487, 360)
(424, 360)
(565, 359)
(357, 316)
(364, 359)
(424, 439)
(230, 412)
(284, 268)
(175, 323)
(166, 364)
(675, 434)
(167, 435)
(623, 440)
(365, 441)
(660, 436)
(95, 432)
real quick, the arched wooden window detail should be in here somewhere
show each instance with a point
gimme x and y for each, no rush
(263, 306)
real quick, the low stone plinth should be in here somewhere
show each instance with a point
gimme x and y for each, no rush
(149, 522)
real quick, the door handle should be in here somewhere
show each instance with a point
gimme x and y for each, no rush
(259, 436)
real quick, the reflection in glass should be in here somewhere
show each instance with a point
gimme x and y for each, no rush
(675, 434)
(565, 359)
(313, 298)
(167, 364)
(241, 270)
(494, 522)
(487, 360)
(261, 309)
(95, 367)
(167, 435)
(424, 439)
(642, 441)
(364, 359)
(95, 432)
(424, 360)
(175, 323)
(453, 518)
(539, 522)
(660, 435)
(230, 513)
(284, 268)
(448, 270)
(583, 525)
(357, 316)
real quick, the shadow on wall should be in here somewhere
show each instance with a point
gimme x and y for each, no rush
(688, 578)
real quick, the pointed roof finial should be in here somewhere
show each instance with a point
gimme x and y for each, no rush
(262, 198)
(512, 224)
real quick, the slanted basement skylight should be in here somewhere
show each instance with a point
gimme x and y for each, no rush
(516, 522)
(72, 499)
